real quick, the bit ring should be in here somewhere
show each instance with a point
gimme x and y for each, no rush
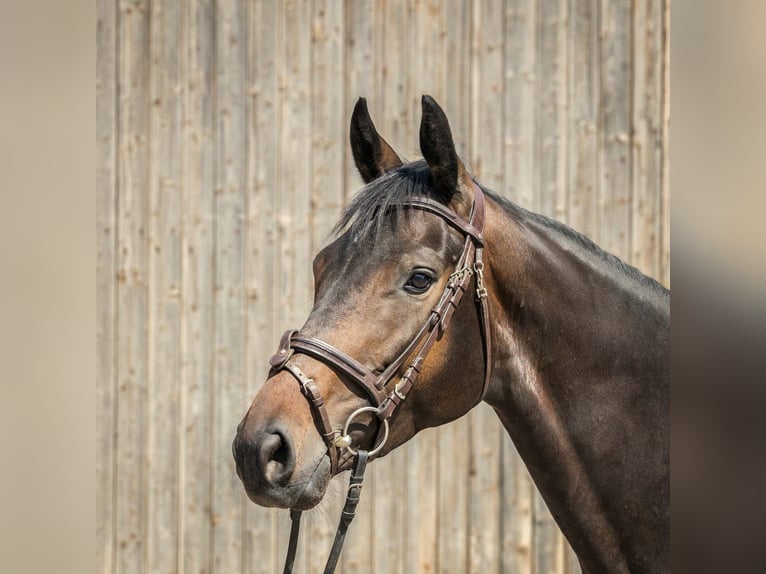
(355, 414)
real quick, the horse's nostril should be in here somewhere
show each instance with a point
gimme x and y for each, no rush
(265, 459)
(282, 454)
(276, 457)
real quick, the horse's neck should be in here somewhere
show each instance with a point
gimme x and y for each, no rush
(580, 382)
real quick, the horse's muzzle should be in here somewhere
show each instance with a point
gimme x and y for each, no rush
(265, 464)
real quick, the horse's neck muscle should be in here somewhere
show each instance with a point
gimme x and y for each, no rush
(578, 345)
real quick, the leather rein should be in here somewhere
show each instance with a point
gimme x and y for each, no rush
(470, 264)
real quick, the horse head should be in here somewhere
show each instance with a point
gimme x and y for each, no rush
(385, 287)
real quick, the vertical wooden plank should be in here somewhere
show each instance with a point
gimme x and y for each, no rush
(295, 164)
(328, 139)
(615, 164)
(164, 223)
(295, 159)
(487, 57)
(522, 183)
(453, 464)
(553, 97)
(565, 560)
(485, 534)
(399, 125)
(130, 531)
(106, 267)
(488, 74)
(263, 138)
(647, 137)
(229, 325)
(329, 133)
(197, 340)
(585, 98)
(518, 509)
(665, 228)
(520, 112)
(360, 70)
(545, 531)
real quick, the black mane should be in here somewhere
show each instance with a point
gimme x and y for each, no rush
(385, 195)
(581, 240)
(390, 192)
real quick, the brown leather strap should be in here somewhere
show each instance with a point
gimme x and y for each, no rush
(453, 293)
(336, 358)
(482, 305)
(311, 392)
(452, 218)
(284, 352)
(478, 210)
(349, 509)
(347, 515)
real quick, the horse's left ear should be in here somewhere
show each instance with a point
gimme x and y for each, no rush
(448, 175)
(372, 154)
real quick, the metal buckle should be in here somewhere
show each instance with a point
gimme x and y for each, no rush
(481, 290)
(459, 274)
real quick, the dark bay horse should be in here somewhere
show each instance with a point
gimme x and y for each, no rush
(577, 345)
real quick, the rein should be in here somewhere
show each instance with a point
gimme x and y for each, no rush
(470, 264)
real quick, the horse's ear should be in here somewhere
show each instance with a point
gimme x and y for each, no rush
(372, 154)
(448, 176)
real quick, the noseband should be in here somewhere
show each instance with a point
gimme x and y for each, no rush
(384, 402)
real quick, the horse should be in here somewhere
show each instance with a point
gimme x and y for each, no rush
(568, 344)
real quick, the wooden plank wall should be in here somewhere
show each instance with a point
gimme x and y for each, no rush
(223, 163)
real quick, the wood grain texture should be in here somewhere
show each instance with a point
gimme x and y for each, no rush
(132, 291)
(197, 327)
(584, 111)
(615, 141)
(646, 209)
(664, 275)
(107, 202)
(223, 164)
(164, 242)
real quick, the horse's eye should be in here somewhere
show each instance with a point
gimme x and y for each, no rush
(419, 282)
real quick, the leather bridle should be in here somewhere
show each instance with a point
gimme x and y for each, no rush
(470, 264)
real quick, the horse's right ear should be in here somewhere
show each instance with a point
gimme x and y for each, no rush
(372, 154)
